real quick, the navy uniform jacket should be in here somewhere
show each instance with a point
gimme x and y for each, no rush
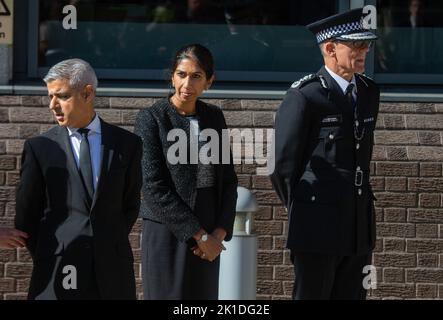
(321, 170)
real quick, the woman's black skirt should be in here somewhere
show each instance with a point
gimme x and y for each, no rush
(169, 268)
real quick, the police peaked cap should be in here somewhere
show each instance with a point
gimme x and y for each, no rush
(346, 26)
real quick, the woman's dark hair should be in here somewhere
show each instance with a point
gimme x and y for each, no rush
(199, 54)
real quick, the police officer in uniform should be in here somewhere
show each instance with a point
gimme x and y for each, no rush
(323, 146)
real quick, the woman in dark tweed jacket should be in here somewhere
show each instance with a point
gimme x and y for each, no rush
(188, 208)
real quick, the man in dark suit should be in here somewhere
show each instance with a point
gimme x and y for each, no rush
(79, 195)
(323, 146)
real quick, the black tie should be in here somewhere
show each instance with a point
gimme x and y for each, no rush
(349, 95)
(85, 166)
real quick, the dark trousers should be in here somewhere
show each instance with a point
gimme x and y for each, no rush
(329, 277)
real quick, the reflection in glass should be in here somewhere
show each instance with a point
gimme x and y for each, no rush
(411, 34)
(244, 35)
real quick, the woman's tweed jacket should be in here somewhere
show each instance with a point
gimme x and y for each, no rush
(169, 191)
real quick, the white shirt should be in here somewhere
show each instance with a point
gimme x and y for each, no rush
(413, 20)
(95, 141)
(343, 83)
(195, 128)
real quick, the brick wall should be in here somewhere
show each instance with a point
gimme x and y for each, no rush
(406, 176)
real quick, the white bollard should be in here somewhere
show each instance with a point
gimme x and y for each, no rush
(238, 264)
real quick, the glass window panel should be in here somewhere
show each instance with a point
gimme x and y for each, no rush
(244, 35)
(411, 37)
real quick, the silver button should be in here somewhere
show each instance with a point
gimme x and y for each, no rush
(360, 192)
(313, 198)
(358, 168)
(357, 146)
(331, 136)
(357, 123)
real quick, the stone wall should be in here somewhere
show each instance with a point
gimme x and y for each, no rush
(406, 177)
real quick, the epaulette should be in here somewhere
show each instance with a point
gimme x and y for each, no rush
(323, 82)
(300, 83)
(309, 78)
(364, 78)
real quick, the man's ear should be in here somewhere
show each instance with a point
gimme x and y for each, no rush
(330, 48)
(88, 92)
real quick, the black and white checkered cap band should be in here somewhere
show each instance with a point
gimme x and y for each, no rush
(339, 30)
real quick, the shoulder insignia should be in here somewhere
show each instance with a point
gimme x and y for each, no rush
(304, 80)
(323, 82)
(364, 78)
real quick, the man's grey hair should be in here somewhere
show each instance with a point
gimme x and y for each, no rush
(78, 72)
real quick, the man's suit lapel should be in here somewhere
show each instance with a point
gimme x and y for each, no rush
(107, 153)
(71, 166)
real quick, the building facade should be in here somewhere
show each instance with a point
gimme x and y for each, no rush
(260, 50)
